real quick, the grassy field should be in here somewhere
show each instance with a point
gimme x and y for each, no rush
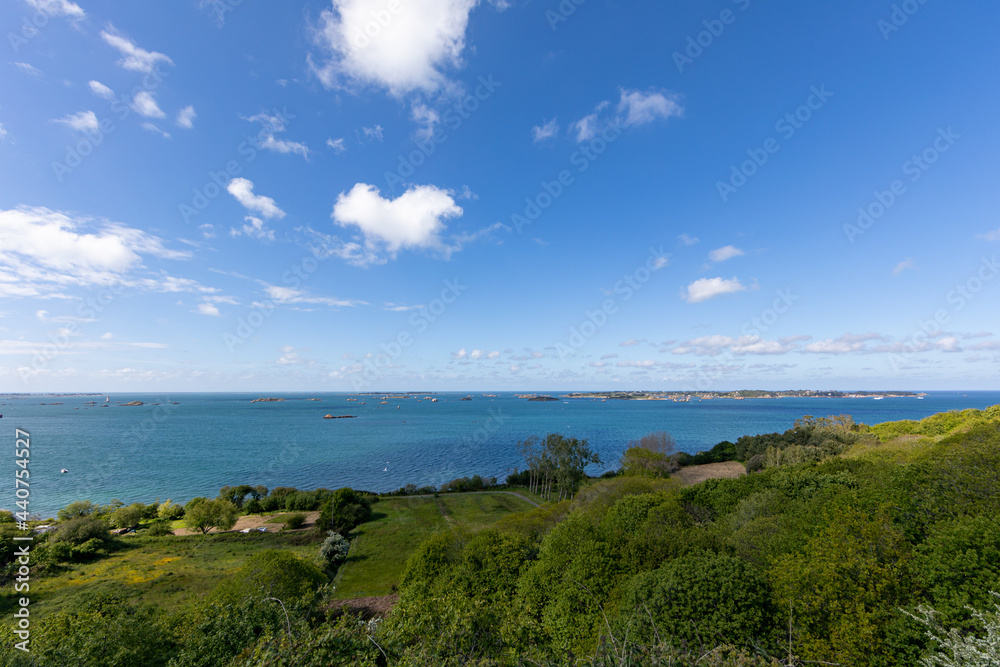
(381, 547)
(170, 572)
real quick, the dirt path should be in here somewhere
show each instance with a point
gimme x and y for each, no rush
(253, 521)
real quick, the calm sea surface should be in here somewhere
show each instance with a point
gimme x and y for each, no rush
(193, 444)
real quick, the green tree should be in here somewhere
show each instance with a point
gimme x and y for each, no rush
(642, 462)
(128, 516)
(208, 514)
(348, 509)
(272, 573)
(76, 509)
(170, 511)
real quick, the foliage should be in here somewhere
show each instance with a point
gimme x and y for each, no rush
(334, 549)
(700, 600)
(128, 516)
(642, 462)
(273, 573)
(207, 514)
(348, 509)
(81, 529)
(170, 511)
(556, 461)
(295, 520)
(466, 484)
(724, 451)
(78, 508)
(955, 649)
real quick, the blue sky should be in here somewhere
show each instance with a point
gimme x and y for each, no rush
(534, 195)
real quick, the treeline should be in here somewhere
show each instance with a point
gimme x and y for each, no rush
(556, 463)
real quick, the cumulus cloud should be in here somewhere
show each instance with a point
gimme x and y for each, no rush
(638, 108)
(85, 121)
(410, 52)
(185, 117)
(546, 131)
(133, 58)
(102, 91)
(242, 190)
(42, 250)
(415, 219)
(634, 108)
(704, 289)
(144, 103)
(208, 309)
(724, 253)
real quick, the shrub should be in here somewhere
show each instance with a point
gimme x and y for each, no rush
(170, 511)
(642, 462)
(81, 529)
(128, 516)
(160, 528)
(349, 508)
(253, 506)
(293, 521)
(6, 516)
(76, 509)
(334, 549)
(207, 514)
(271, 573)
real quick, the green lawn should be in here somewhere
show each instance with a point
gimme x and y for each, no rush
(170, 572)
(381, 546)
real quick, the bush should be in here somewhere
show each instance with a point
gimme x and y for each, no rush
(334, 549)
(253, 506)
(207, 514)
(348, 509)
(701, 599)
(160, 528)
(271, 573)
(128, 516)
(642, 462)
(77, 509)
(293, 521)
(170, 511)
(81, 529)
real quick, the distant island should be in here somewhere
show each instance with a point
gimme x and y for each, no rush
(684, 396)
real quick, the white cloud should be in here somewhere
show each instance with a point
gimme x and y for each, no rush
(58, 8)
(207, 230)
(289, 356)
(546, 131)
(993, 235)
(289, 295)
(186, 116)
(634, 108)
(372, 132)
(408, 53)
(255, 228)
(28, 69)
(704, 289)
(3, 132)
(629, 343)
(102, 91)
(85, 121)
(461, 354)
(638, 108)
(724, 253)
(152, 127)
(145, 104)
(413, 220)
(903, 266)
(337, 145)
(208, 309)
(133, 58)
(42, 250)
(242, 189)
(427, 118)
(844, 344)
(687, 239)
(272, 124)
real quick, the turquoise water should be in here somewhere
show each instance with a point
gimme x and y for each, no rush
(206, 441)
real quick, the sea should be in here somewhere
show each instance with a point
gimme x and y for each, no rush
(179, 446)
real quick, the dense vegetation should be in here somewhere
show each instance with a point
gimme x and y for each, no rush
(844, 544)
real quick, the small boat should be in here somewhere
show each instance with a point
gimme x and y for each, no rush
(64, 470)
